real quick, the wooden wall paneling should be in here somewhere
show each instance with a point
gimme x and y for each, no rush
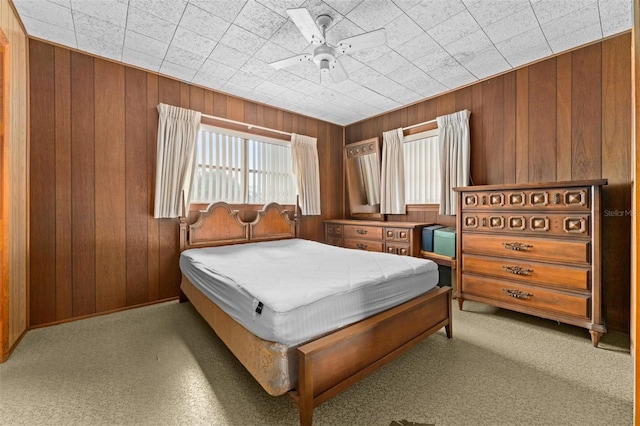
(219, 104)
(542, 121)
(83, 184)
(137, 186)
(208, 102)
(616, 167)
(235, 108)
(185, 96)
(478, 174)
(509, 130)
(196, 99)
(153, 230)
(64, 285)
(446, 103)
(169, 92)
(110, 189)
(586, 113)
(563, 109)
(522, 125)
(493, 129)
(43, 192)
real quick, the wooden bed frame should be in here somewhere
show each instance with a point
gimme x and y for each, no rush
(335, 361)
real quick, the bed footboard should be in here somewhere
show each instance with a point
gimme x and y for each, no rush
(334, 362)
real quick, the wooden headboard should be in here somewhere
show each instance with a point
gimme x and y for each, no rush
(221, 225)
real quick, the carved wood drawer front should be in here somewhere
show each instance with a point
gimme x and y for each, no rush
(334, 241)
(540, 223)
(574, 304)
(401, 249)
(363, 232)
(363, 244)
(526, 248)
(543, 199)
(561, 276)
(395, 234)
(334, 229)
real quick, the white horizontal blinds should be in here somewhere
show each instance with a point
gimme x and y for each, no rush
(219, 171)
(422, 171)
(269, 173)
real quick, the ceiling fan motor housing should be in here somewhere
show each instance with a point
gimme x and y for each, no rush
(324, 57)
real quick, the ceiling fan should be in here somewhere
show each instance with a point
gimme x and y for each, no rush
(325, 55)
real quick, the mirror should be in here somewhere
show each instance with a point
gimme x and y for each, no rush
(363, 178)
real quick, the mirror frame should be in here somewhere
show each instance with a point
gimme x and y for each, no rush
(358, 209)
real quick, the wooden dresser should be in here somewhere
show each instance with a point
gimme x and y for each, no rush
(401, 238)
(533, 248)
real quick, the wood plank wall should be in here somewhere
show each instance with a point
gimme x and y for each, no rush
(16, 231)
(564, 118)
(95, 246)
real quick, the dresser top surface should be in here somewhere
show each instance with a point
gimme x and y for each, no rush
(379, 223)
(536, 185)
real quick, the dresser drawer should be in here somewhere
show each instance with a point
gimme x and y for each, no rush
(576, 305)
(576, 278)
(363, 232)
(363, 244)
(401, 249)
(526, 248)
(334, 241)
(397, 234)
(556, 224)
(334, 229)
(532, 199)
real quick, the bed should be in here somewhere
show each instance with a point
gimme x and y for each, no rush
(286, 342)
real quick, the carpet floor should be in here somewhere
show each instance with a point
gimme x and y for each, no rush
(163, 365)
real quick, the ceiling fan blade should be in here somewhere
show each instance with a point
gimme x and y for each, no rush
(363, 41)
(306, 24)
(338, 73)
(287, 62)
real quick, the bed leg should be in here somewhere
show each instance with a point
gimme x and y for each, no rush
(305, 390)
(306, 415)
(447, 329)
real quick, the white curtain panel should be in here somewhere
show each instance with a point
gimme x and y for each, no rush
(455, 154)
(370, 175)
(392, 199)
(176, 157)
(304, 164)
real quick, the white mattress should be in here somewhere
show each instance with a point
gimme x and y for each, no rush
(302, 288)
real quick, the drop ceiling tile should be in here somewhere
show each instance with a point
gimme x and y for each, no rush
(405, 5)
(51, 32)
(401, 30)
(486, 12)
(434, 61)
(318, 7)
(227, 55)
(364, 75)
(580, 25)
(485, 63)
(374, 14)
(454, 28)
(424, 85)
(204, 23)
(304, 70)
(524, 48)
(178, 71)
(242, 40)
(268, 88)
(289, 37)
(111, 11)
(234, 89)
(372, 54)
(244, 79)
(258, 68)
(406, 74)
(217, 69)
(208, 80)
(343, 29)
(259, 19)
(46, 12)
(98, 29)
(65, 3)
(430, 13)
(271, 52)
(350, 64)
(147, 45)
(284, 78)
(193, 42)
(528, 55)
(418, 47)
(390, 62)
(281, 6)
(314, 89)
(141, 60)
(177, 55)
(168, 10)
(468, 45)
(259, 97)
(225, 9)
(99, 47)
(550, 10)
(392, 90)
(576, 38)
(368, 96)
(452, 75)
(343, 6)
(518, 23)
(144, 23)
(616, 16)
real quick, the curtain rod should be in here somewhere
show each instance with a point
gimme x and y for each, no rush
(419, 124)
(249, 126)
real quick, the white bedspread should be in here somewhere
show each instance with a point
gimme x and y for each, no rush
(304, 288)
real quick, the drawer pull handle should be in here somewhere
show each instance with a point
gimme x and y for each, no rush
(517, 246)
(484, 200)
(517, 270)
(361, 231)
(556, 199)
(518, 294)
(362, 246)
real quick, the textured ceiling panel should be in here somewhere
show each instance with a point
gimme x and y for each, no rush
(431, 46)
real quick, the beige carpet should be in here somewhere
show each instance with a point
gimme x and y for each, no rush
(162, 365)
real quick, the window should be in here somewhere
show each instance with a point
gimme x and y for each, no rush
(422, 168)
(242, 168)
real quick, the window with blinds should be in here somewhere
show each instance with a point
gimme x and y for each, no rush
(242, 168)
(422, 168)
